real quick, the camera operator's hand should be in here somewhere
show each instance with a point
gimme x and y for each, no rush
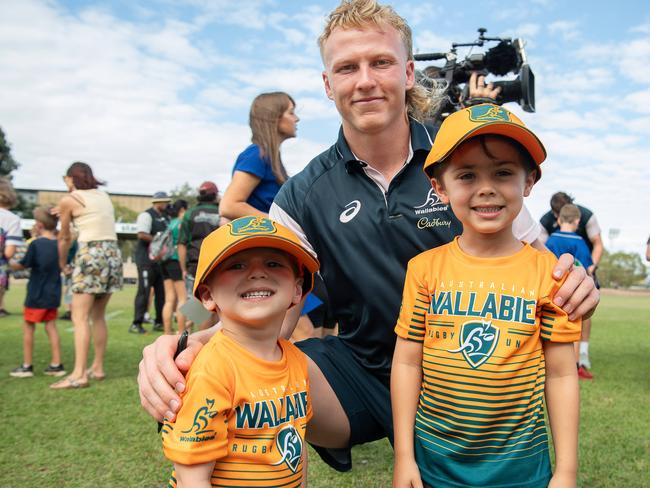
(479, 89)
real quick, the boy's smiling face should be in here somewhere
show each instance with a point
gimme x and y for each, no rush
(253, 286)
(485, 191)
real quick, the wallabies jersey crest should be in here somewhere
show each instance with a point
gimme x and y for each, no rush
(289, 444)
(478, 340)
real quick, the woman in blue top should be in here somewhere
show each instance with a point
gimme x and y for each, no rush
(259, 172)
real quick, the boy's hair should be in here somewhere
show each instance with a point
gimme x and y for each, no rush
(529, 165)
(357, 14)
(43, 216)
(569, 213)
(559, 200)
(8, 197)
(82, 176)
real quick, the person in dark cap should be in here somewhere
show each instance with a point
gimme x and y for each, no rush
(197, 223)
(149, 223)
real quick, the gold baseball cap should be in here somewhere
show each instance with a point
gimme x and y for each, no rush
(247, 233)
(482, 119)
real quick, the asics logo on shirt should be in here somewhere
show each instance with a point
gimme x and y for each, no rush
(352, 209)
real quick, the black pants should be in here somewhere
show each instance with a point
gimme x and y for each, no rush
(149, 276)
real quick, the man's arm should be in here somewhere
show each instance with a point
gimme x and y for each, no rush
(578, 295)
(562, 401)
(597, 250)
(647, 251)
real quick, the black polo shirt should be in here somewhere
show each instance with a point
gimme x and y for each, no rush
(364, 238)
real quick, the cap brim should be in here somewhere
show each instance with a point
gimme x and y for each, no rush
(523, 136)
(275, 242)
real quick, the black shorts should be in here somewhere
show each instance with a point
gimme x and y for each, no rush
(171, 270)
(364, 398)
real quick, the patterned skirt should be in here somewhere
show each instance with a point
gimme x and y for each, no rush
(97, 268)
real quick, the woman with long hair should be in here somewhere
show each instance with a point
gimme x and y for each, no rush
(97, 271)
(259, 173)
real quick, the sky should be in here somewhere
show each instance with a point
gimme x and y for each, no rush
(153, 94)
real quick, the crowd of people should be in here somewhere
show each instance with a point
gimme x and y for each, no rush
(442, 315)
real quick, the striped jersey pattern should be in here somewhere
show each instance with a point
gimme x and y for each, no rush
(246, 414)
(481, 321)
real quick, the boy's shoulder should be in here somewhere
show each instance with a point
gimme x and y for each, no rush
(425, 257)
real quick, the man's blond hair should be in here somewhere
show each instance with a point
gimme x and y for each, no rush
(357, 14)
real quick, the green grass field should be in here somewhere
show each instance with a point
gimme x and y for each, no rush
(100, 437)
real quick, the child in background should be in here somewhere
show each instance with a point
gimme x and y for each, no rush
(480, 341)
(567, 241)
(11, 236)
(43, 293)
(246, 405)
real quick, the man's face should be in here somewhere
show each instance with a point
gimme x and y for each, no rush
(367, 75)
(160, 206)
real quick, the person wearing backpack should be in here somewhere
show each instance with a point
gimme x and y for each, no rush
(149, 223)
(197, 223)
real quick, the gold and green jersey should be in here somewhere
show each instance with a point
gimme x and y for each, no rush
(481, 322)
(247, 414)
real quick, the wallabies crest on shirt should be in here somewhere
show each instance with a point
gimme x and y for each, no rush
(478, 340)
(201, 418)
(289, 444)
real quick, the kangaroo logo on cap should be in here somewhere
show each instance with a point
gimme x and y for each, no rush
(249, 226)
(488, 113)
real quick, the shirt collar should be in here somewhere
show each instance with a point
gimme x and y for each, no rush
(421, 141)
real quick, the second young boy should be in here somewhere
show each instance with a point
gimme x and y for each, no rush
(480, 342)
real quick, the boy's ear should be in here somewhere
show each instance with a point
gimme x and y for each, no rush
(205, 295)
(440, 190)
(297, 292)
(530, 181)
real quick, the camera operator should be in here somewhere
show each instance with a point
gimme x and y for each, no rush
(365, 208)
(479, 91)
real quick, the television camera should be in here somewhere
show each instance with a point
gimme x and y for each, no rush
(508, 56)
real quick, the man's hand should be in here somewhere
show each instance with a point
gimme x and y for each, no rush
(161, 379)
(479, 89)
(578, 296)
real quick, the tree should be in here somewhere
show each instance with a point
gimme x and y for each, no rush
(7, 162)
(124, 214)
(184, 192)
(621, 269)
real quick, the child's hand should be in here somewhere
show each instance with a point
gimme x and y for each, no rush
(406, 474)
(563, 480)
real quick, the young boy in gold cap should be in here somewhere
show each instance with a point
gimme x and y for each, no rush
(247, 403)
(480, 342)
